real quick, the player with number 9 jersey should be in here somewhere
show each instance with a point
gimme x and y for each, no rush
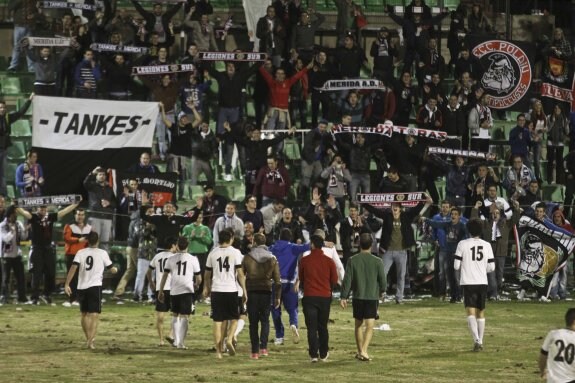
(183, 267)
(223, 262)
(474, 257)
(91, 263)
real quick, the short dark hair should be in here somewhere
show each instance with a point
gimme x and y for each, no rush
(365, 241)
(316, 241)
(259, 239)
(285, 234)
(183, 243)
(474, 227)
(224, 236)
(455, 208)
(170, 241)
(570, 317)
(520, 115)
(93, 238)
(541, 205)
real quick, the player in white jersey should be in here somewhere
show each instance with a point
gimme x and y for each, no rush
(185, 273)
(157, 266)
(223, 268)
(91, 263)
(474, 257)
(556, 360)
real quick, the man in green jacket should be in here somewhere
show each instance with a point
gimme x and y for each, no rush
(365, 276)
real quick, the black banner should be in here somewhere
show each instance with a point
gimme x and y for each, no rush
(386, 199)
(462, 153)
(232, 56)
(66, 5)
(101, 47)
(162, 69)
(158, 188)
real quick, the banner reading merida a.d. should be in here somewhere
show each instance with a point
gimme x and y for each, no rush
(507, 71)
(542, 248)
(73, 136)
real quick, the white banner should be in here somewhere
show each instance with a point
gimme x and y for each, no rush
(47, 41)
(254, 9)
(353, 83)
(83, 124)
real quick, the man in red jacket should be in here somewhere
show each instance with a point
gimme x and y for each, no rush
(278, 111)
(318, 275)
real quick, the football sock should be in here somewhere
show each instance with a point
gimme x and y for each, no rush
(176, 327)
(480, 329)
(472, 323)
(241, 324)
(183, 329)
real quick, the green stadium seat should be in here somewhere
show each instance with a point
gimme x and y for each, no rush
(219, 4)
(374, 5)
(11, 172)
(291, 150)
(17, 151)
(10, 85)
(235, 3)
(10, 191)
(20, 103)
(4, 63)
(21, 128)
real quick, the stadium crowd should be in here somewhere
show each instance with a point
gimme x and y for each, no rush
(334, 168)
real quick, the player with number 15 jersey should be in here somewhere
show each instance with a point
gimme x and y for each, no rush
(474, 256)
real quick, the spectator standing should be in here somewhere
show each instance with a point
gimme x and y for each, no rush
(518, 175)
(480, 124)
(102, 204)
(397, 238)
(30, 176)
(12, 232)
(272, 34)
(558, 130)
(228, 220)
(520, 140)
(383, 51)
(204, 146)
(303, 34)
(87, 75)
(25, 14)
(272, 182)
(158, 21)
(496, 229)
(199, 242)
(202, 32)
(43, 255)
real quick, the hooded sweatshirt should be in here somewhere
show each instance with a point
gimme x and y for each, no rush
(564, 223)
(261, 267)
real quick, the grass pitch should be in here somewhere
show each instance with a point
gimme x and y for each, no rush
(428, 342)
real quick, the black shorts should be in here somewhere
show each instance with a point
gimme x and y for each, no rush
(90, 299)
(225, 306)
(242, 307)
(182, 303)
(475, 296)
(166, 305)
(364, 309)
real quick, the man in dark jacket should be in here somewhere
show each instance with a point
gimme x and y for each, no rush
(102, 204)
(397, 238)
(261, 269)
(158, 20)
(204, 147)
(317, 145)
(272, 34)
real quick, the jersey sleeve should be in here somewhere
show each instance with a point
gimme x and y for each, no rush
(77, 258)
(546, 343)
(458, 256)
(169, 265)
(153, 262)
(210, 261)
(107, 260)
(196, 266)
(490, 258)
